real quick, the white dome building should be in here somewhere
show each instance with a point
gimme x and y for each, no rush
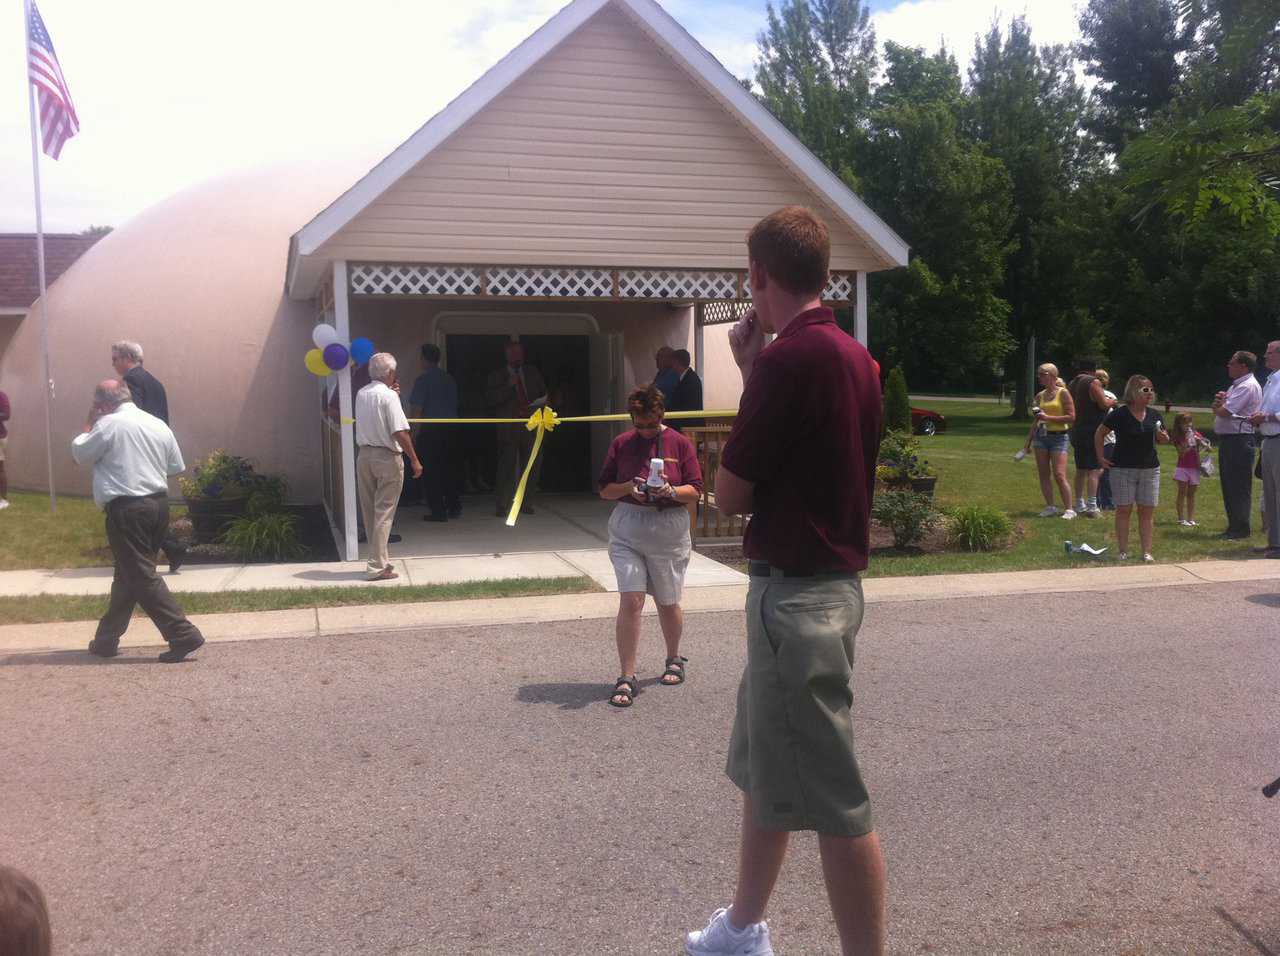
(198, 280)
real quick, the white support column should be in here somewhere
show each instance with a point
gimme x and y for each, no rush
(699, 339)
(346, 408)
(860, 310)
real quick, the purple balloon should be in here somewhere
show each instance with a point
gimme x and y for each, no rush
(336, 356)
(361, 350)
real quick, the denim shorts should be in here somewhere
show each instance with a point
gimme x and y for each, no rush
(1055, 443)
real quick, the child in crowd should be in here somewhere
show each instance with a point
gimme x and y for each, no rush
(24, 917)
(1186, 475)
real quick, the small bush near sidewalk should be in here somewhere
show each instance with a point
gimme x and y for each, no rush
(978, 527)
(909, 516)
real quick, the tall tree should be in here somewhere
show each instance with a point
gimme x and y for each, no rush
(1025, 107)
(816, 62)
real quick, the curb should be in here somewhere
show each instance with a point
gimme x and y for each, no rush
(391, 618)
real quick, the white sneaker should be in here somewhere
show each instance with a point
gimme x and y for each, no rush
(1192, 524)
(1068, 514)
(4, 503)
(1049, 512)
(1184, 522)
(1093, 512)
(1148, 558)
(721, 939)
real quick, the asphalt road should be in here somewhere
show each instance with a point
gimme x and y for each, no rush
(1051, 774)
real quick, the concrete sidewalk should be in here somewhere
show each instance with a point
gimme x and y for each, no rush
(453, 569)
(335, 621)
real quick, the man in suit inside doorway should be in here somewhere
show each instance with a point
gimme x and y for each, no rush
(687, 394)
(515, 391)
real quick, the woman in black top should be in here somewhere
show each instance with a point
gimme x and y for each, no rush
(1135, 464)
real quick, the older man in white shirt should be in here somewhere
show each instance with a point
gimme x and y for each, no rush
(382, 434)
(1267, 421)
(133, 455)
(1231, 412)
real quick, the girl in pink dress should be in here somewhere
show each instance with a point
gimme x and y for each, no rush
(1186, 475)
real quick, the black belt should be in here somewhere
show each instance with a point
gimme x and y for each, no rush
(154, 494)
(763, 569)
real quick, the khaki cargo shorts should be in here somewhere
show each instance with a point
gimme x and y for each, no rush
(792, 744)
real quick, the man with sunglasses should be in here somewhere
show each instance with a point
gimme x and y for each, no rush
(801, 461)
(1232, 411)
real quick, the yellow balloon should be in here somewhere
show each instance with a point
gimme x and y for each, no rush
(315, 363)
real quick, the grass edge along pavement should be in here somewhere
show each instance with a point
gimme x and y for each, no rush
(52, 608)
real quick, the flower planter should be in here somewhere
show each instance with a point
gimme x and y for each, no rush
(924, 486)
(210, 516)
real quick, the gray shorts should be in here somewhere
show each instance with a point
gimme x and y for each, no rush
(1140, 486)
(650, 550)
(792, 743)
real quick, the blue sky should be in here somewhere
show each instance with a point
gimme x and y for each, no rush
(174, 93)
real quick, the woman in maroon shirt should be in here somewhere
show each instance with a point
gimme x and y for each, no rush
(649, 532)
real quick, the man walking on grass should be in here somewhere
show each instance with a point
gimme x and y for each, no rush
(801, 461)
(133, 456)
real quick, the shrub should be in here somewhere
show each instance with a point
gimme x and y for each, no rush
(978, 527)
(897, 406)
(265, 537)
(219, 475)
(899, 460)
(908, 515)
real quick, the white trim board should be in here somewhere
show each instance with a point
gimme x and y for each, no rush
(686, 51)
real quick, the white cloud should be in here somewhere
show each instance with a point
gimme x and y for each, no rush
(928, 23)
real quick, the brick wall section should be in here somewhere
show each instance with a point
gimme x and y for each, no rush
(19, 280)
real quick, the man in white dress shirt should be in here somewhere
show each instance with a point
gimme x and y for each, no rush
(382, 433)
(133, 456)
(1267, 420)
(1231, 412)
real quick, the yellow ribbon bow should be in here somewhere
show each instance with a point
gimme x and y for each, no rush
(541, 421)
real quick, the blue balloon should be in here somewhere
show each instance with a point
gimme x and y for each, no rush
(361, 350)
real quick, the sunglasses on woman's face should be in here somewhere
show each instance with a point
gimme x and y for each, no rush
(1147, 390)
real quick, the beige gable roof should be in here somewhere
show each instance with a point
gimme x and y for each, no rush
(608, 149)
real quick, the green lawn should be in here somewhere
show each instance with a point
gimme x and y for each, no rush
(40, 609)
(32, 537)
(974, 459)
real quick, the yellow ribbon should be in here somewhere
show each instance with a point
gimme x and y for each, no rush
(545, 420)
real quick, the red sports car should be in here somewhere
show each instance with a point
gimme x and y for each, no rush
(925, 422)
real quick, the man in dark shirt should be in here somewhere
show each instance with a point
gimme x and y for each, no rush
(148, 395)
(1092, 405)
(687, 395)
(801, 461)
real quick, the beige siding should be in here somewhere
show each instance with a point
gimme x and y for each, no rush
(605, 153)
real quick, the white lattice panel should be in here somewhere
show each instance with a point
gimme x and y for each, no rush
(721, 313)
(676, 284)
(389, 279)
(840, 288)
(544, 282)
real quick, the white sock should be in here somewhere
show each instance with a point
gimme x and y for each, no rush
(1093, 504)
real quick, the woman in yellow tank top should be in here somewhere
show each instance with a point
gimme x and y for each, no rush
(1055, 411)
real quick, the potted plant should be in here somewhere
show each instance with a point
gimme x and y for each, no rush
(900, 467)
(217, 492)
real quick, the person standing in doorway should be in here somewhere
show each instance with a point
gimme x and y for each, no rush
(149, 396)
(382, 434)
(687, 395)
(435, 395)
(133, 454)
(1089, 396)
(514, 391)
(665, 378)
(801, 461)
(1267, 422)
(1233, 410)
(4, 441)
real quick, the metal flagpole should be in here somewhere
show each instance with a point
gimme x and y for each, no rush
(44, 290)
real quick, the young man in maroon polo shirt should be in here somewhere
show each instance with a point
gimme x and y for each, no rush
(801, 461)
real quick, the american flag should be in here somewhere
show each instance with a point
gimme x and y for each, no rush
(58, 120)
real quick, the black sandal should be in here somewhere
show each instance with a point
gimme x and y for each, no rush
(629, 695)
(675, 668)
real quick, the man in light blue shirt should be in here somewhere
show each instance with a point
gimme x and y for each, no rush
(1267, 422)
(435, 395)
(133, 455)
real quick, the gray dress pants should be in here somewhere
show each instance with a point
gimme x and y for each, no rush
(1235, 461)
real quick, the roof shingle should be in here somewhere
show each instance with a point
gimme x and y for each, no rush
(19, 281)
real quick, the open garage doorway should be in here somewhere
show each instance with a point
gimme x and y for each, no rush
(565, 364)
